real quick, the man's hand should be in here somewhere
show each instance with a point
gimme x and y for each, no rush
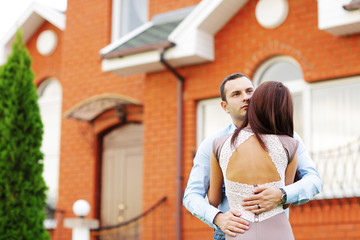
(266, 198)
(231, 223)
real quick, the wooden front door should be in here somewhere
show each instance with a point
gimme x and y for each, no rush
(121, 183)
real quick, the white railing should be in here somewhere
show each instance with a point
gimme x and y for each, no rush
(339, 169)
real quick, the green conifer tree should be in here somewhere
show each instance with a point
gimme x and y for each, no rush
(22, 187)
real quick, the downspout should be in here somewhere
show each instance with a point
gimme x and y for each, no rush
(179, 138)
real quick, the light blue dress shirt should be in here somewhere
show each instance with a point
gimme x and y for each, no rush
(195, 200)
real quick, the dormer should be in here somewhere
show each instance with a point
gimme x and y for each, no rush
(339, 17)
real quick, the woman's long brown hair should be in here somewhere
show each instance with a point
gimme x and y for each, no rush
(270, 111)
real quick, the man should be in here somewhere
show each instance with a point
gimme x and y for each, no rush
(236, 91)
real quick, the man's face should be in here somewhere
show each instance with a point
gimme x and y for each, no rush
(238, 93)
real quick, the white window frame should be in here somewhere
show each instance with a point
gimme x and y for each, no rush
(116, 20)
(57, 100)
(298, 86)
(200, 118)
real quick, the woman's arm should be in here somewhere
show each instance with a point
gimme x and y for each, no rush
(290, 171)
(290, 174)
(216, 181)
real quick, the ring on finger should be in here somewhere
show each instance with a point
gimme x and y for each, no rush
(258, 205)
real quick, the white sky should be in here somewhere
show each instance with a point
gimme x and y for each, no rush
(11, 10)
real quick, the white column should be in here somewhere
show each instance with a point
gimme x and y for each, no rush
(81, 227)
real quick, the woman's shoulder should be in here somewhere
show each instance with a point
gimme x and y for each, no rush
(290, 144)
(218, 144)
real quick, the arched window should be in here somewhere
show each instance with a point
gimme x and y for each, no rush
(50, 99)
(288, 71)
(327, 117)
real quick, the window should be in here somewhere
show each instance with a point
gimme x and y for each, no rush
(326, 116)
(50, 98)
(335, 113)
(288, 71)
(335, 118)
(128, 15)
(210, 118)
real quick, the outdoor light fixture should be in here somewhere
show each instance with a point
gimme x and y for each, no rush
(81, 208)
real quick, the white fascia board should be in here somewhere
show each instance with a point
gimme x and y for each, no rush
(209, 16)
(133, 64)
(56, 18)
(333, 18)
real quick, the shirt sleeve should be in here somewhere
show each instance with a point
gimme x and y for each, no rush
(310, 182)
(195, 193)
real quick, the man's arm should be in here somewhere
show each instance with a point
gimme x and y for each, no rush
(195, 192)
(310, 182)
(297, 193)
(198, 183)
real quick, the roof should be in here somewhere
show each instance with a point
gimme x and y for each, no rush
(152, 35)
(192, 40)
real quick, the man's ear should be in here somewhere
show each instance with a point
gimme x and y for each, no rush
(224, 106)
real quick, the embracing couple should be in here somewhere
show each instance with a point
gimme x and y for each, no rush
(247, 170)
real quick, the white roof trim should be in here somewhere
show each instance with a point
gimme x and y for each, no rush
(32, 18)
(194, 39)
(209, 16)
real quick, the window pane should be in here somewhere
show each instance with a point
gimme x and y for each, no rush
(282, 72)
(49, 89)
(133, 14)
(298, 114)
(50, 98)
(335, 139)
(211, 118)
(335, 116)
(286, 72)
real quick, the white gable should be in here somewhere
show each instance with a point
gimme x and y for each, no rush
(29, 22)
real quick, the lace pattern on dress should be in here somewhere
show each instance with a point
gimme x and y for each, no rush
(236, 191)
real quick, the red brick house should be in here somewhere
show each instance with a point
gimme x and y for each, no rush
(128, 91)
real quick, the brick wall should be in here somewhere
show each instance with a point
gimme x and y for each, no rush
(327, 219)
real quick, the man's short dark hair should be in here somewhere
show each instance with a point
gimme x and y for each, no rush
(228, 78)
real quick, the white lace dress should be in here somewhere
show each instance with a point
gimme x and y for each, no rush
(236, 191)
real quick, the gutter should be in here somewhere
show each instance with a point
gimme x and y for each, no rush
(179, 138)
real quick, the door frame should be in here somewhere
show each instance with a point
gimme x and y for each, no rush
(98, 168)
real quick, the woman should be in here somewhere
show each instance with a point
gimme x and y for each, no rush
(262, 152)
